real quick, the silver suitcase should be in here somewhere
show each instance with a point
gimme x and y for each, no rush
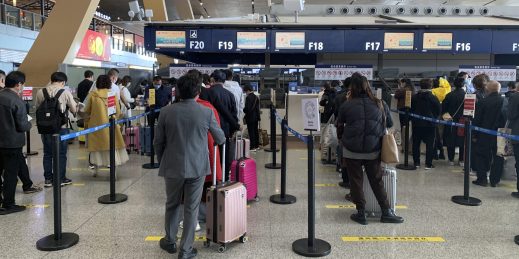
(389, 178)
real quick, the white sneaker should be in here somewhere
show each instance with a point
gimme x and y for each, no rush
(198, 228)
(462, 164)
(451, 163)
(91, 167)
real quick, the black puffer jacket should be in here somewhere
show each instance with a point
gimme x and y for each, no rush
(424, 103)
(361, 126)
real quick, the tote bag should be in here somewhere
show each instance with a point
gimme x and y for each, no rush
(504, 145)
(389, 153)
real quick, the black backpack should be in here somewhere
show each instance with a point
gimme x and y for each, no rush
(49, 116)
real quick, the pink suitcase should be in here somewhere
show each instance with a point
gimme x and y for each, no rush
(242, 148)
(132, 139)
(245, 170)
(226, 219)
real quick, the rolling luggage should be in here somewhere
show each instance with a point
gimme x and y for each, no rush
(389, 177)
(145, 140)
(243, 170)
(226, 219)
(242, 148)
(132, 139)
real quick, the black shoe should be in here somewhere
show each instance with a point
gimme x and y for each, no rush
(360, 217)
(429, 167)
(441, 156)
(515, 195)
(32, 190)
(344, 185)
(476, 182)
(191, 254)
(388, 216)
(48, 184)
(348, 197)
(168, 247)
(493, 184)
(11, 209)
(65, 181)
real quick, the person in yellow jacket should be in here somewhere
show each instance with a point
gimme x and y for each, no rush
(440, 90)
(96, 108)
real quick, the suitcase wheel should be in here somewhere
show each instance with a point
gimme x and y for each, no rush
(244, 239)
(222, 248)
(257, 199)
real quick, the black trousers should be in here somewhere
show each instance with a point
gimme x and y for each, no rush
(438, 141)
(485, 159)
(454, 141)
(24, 176)
(252, 127)
(374, 173)
(427, 135)
(516, 154)
(10, 165)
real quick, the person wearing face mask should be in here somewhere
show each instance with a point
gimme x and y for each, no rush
(2, 79)
(126, 98)
(15, 124)
(163, 97)
(469, 87)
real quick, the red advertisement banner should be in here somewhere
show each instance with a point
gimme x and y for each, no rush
(95, 46)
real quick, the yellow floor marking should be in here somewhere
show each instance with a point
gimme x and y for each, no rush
(351, 206)
(457, 171)
(392, 239)
(82, 158)
(88, 170)
(508, 186)
(326, 185)
(36, 206)
(78, 184)
(157, 238)
(303, 158)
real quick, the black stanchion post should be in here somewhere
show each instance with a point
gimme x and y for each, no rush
(58, 240)
(311, 247)
(273, 134)
(273, 148)
(283, 198)
(466, 199)
(516, 240)
(113, 197)
(406, 165)
(152, 164)
(28, 136)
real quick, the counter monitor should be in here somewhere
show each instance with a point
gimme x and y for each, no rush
(437, 41)
(251, 40)
(398, 41)
(170, 39)
(290, 40)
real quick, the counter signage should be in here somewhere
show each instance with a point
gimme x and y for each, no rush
(311, 120)
(501, 73)
(151, 97)
(240, 40)
(505, 42)
(179, 70)
(111, 104)
(469, 105)
(340, 72)
(325, 41)
(361, 41)
(199, 40)
(27, 93)
(459, 41)
(408, 98)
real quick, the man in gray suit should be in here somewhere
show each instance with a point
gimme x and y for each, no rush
(181, 147)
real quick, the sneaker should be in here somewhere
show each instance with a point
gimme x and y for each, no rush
(360, 217)
(417, 166)
(66, 181)
(184, 255)
(348, 197)
(462, 164)
(429, 167)
(198, 228)
(33, 189)
(171, 248)
(11, 209)
(91, 167)
(389, 216)
(515, 195)
(451, 163)
(476, 182)
(47, 184)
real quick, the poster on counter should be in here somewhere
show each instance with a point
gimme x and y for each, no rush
(111, 104)
(27, 93)
(469, 105)
(341, 72)
(311, 118)
(176, 71)
(498, 73)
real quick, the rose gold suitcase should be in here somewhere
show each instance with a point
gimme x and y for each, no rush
(226, 212)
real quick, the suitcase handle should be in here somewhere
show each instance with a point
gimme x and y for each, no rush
(215, 157)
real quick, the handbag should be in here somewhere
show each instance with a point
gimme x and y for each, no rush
(504, 145)
(389, 152)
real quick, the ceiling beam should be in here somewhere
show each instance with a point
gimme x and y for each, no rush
(179, 10)
(159, 9)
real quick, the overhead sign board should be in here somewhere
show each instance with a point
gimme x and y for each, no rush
(341, 72)
(178, 70)
(498, 73)
(505, 42)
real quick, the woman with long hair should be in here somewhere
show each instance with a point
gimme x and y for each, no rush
(362, 123)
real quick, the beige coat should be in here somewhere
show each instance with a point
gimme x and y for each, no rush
(97, 114)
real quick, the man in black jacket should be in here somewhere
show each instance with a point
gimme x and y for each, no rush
(13, 115)
(513, 117)
(252, 116)
(224, 102)
(84, 87)
(489, 115)
(424, 103)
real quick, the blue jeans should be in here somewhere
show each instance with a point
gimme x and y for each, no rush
(47, 155)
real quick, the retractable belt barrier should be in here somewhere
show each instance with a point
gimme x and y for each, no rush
(295, 133)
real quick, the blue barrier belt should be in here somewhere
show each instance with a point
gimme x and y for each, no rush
(448, 123)
(103, 126)
(295, 133)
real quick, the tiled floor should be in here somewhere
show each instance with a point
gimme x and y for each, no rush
(120, 231)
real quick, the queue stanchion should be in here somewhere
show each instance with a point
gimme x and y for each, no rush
(58, 240)
(152, 164)
(283, 198)
(516, 240)
(311, 247)
(273, 134)
(406, 165)
(28, 137)
(465, 199)
(113, 197)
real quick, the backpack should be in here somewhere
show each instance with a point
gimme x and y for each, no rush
(49, 116)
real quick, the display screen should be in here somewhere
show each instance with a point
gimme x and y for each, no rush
(290, 40)
(437, 41)
(170, 39)
(398, 41)
(251, 40)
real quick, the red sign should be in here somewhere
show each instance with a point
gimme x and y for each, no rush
(139, 41)
(111, 104)
(469, 106)
(27, 93)
(95, 46)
